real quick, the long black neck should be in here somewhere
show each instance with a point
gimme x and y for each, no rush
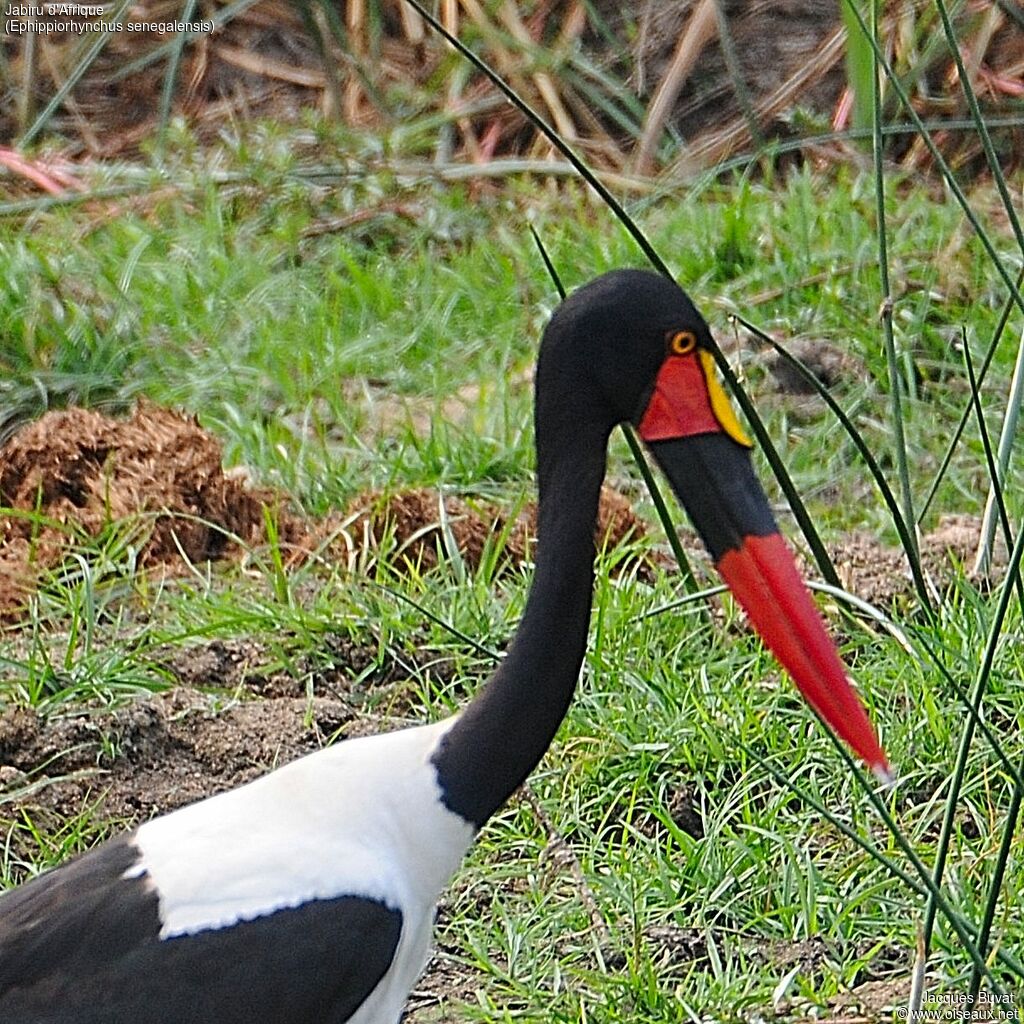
(503, 733)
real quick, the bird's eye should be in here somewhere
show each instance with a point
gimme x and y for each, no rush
(681, 343)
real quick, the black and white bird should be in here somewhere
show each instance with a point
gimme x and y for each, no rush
(308, 895)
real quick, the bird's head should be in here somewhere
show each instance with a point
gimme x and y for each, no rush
(630, 347)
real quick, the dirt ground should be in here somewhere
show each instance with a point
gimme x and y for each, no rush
(159, 753)
(154, 481)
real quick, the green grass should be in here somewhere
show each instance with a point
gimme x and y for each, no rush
(324, 362)
(219, 305)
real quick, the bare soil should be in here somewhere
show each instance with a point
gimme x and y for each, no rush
(424, 524)
(154, 754)
(880, 573)
(157, 475)
(125, 766)
(70, 476)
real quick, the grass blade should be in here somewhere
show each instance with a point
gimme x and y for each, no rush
(1017, 385)
(548, 265)
(91, 53)
(689, 580)
(996, 503)
(895, 383)
(999, 872)
(966, 414)
(552, 136)
(967, 737)
(999, 468)
(940, 161)
(991, 157)
(965, 930)
(975, 716)
(861, 73)
(171, 75)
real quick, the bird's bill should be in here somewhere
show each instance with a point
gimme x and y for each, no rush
(714, 479)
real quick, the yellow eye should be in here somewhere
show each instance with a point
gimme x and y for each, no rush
(682, 343)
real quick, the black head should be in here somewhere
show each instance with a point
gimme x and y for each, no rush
(605, 344)
(631, 346)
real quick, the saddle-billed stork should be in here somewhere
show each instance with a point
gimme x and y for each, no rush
(308, 895)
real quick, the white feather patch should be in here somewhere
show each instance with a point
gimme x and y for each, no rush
(361, 818)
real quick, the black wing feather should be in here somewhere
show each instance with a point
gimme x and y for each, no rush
(80, 945)
(66, 919)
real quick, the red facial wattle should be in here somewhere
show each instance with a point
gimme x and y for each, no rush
(680, 405)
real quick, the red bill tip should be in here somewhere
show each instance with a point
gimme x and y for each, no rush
(764, 578)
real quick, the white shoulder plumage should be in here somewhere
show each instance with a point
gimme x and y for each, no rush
(334, 823)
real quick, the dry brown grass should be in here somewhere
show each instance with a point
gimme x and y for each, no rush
(692, 84)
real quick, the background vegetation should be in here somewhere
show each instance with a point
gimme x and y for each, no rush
(350, 299)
